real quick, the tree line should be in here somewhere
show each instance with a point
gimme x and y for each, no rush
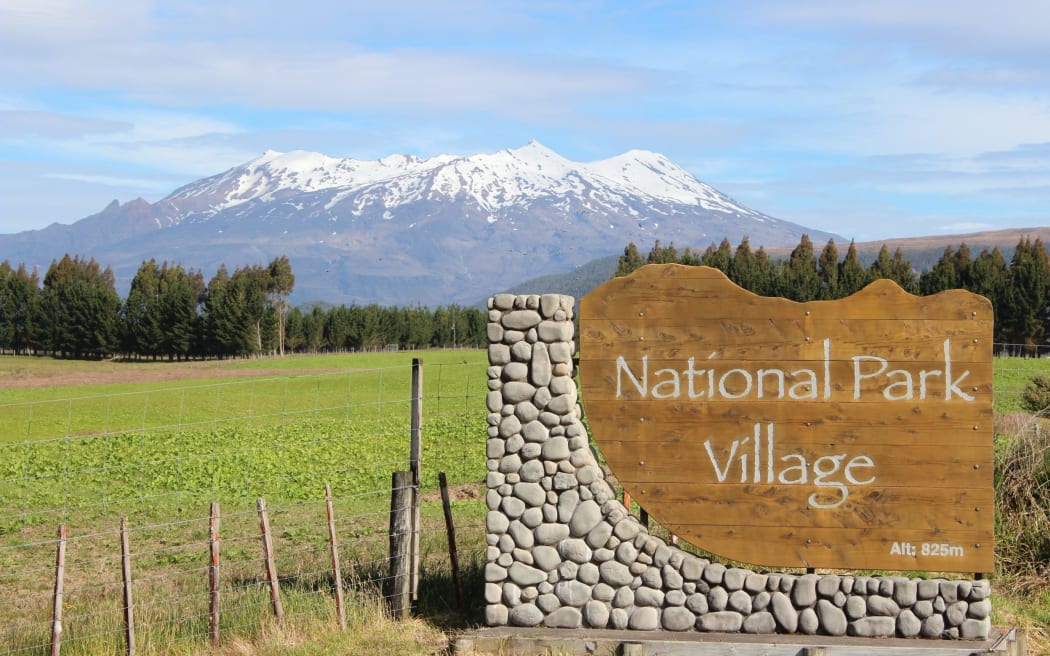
(1019, 291)
(170, 312)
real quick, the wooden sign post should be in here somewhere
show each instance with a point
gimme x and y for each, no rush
(854, 433)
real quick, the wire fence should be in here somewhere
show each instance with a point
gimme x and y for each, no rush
(174, 462)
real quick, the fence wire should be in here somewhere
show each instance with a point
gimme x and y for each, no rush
(159, 457)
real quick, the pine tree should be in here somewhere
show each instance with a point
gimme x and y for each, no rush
(943, 275)
(852, 276)
(743, 268)
(1028, 294)
(629, 261)
(801, 281)
(828, 268)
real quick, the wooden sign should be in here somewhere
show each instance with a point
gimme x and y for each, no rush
(854, 433)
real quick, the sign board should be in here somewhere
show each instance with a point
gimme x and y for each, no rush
(854, 433)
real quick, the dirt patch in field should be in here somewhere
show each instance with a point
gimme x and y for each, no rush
(106, 373)
(461, 492)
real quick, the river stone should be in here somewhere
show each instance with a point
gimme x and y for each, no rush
(717, 599)
(713, 573)
(856, 607)
(562, 384)
(532, 517)
(511, 594)
(725, 621)
(674, 598)
(516, 392)
(552, 421)
(624, 598)
(905, 593)
(495, 448)
(502, 301)
(615, 574)
(560, 352)
(882, 607)
(740, 602)
(587, 515)
(644, 618)
(496, 522)
(972, 629)
(567, 570)
(531, 493)
(927, 589)
(510, 464)
(555, 331)
(563, 481)
(980, 590)
(602, 591)
(956, 613)
(755, 582)
(949, 592)
(965, 588)
(804, 593)
(828, 585)
(697, 603)
(572, 593)
(979, 609)
(588, 573)
(761, 622)
(562, 404)
(540, 369)
(923, 609)
(886, 587)
(760, 602)
(551, 533)
(525, 615)
(512, 507)
(651, 578)
(672, 579)
(521, 534)
(808, 622)
(832, 619)
(546, 558)
(908, 625)
(677, 619)
(532, 471)
(515, 371)
(496, 615)
(493, 593)
(648, 597)
(734, 578)
(692, 567)
(588, 474)
(534, 432)
(596, 614)
(541, 398)
(564, 618)
(932, 626)
(556, 448)
(525, 575)
(599, 535)
(618, 618)
(873, 627)
(575, 550)
(784, 612)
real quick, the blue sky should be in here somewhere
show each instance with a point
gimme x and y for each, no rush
(868, 119)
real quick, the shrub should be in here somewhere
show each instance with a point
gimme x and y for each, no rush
(1022, 496)
(1036, 396)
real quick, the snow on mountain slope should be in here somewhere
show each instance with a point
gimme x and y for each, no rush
(493, 182)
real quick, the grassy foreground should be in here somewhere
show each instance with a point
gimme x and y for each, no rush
(153, 445)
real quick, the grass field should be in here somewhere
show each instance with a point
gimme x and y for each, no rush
(86, 442)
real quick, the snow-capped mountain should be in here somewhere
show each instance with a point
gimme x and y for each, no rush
(402, 229)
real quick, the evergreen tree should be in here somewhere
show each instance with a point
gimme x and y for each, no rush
(828, 269)
(942, 276)
(82, 308)
(801, 281)
(180, 294)
(280, 285)
(719, 257)
(629, 261)
(852, 277)
(989, 278)
(662, 254)
(1028, 294)
(743, 268)
(142, 324)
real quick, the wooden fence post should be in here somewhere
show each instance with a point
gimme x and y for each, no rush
(400, 544)
(415, 458)
(337, 576)
(450, 528)
(60, 572)
(125, 561)
(213, 574)
(271, 569)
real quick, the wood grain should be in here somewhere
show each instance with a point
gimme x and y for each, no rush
(685, 376)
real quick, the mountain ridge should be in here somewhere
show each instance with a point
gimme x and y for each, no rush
(404, 230)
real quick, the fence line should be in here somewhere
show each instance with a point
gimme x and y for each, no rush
(160, 457)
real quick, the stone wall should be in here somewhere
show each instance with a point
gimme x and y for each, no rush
(563, 552)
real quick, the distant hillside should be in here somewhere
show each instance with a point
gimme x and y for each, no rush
(922, 252)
